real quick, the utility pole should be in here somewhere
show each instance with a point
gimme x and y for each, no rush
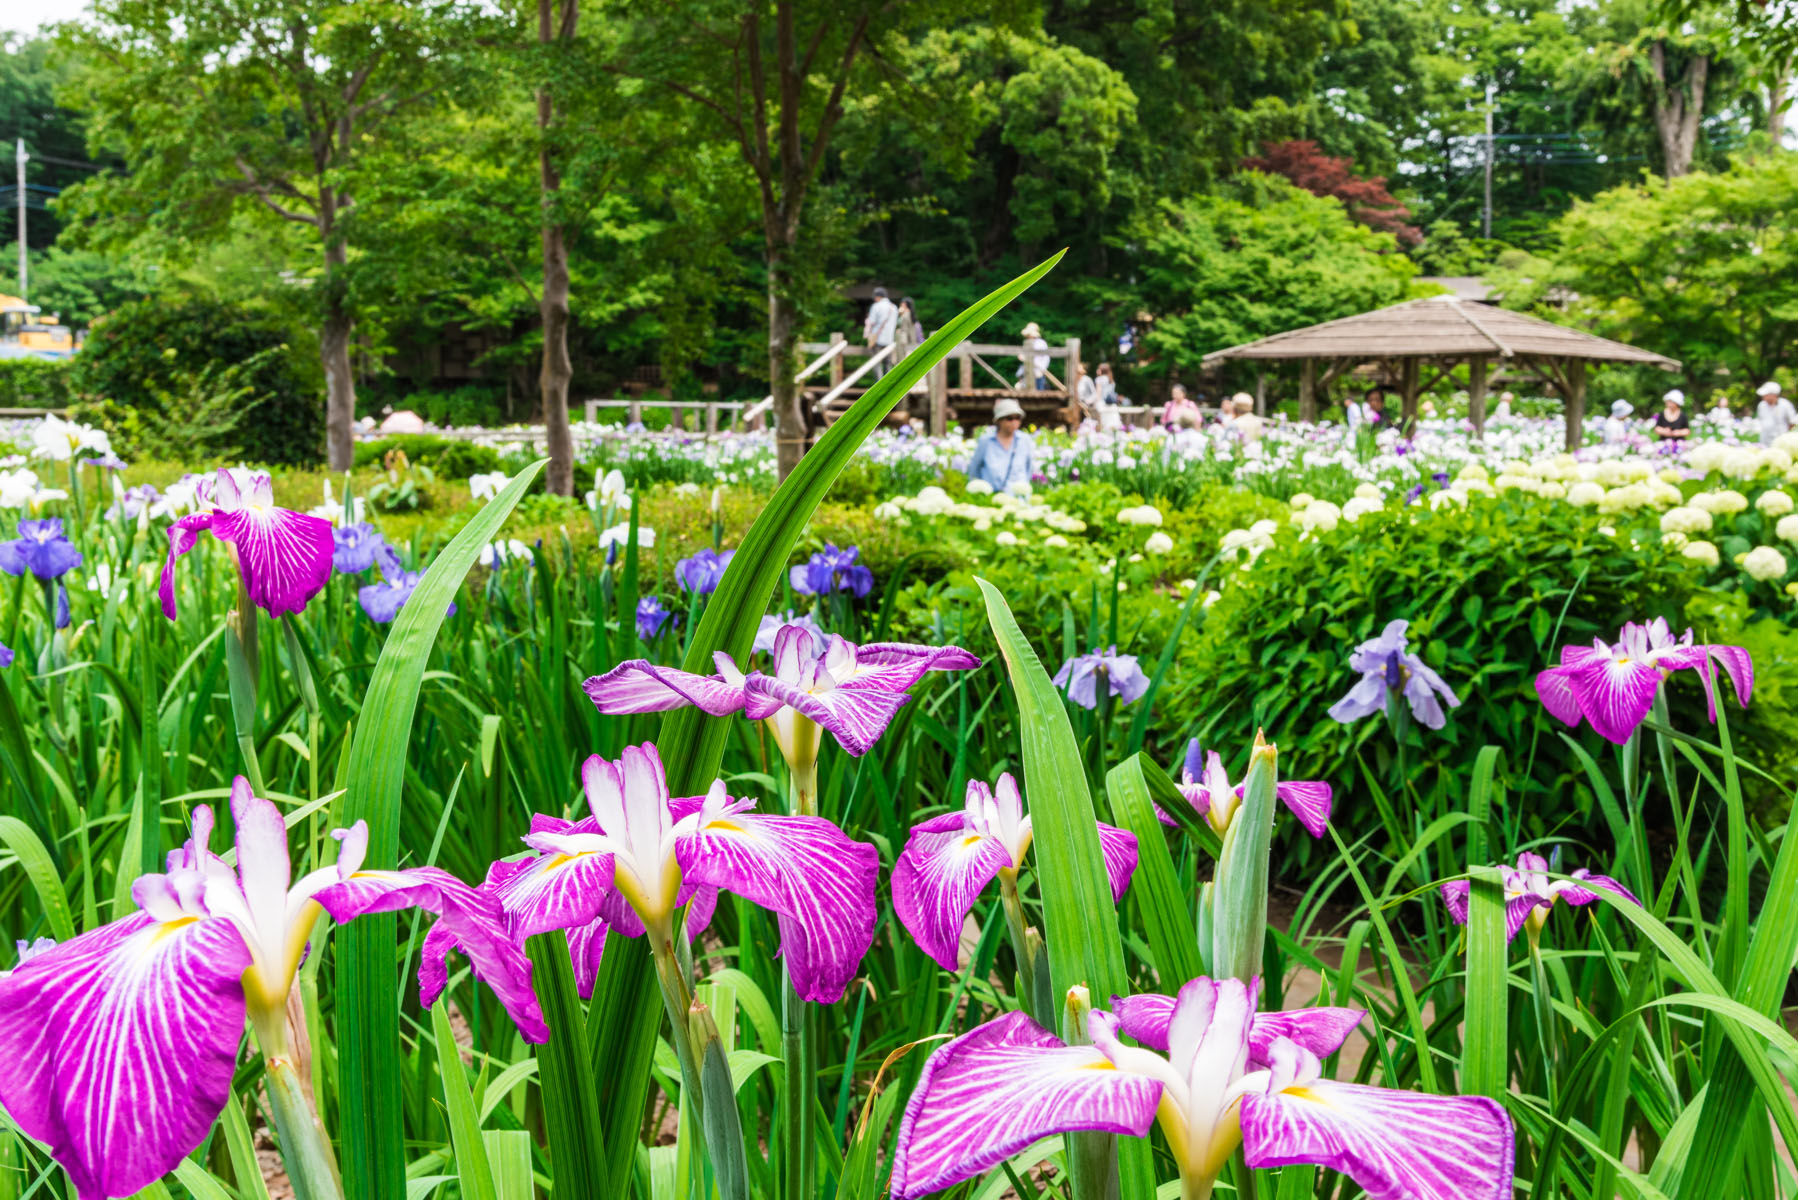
(22, 157)
(1486, 217)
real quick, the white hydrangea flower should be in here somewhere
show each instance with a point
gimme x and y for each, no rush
(1774, 503)
(1684, 519)
(1159, 543)
(1585, 493)
(1701, 552)
(1764, 563)
(1787, 529)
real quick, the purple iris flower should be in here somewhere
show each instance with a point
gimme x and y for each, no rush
(120, 1044)
(700, 574)
(773, 623)
(948, 860)
(832, 570)
(652, 618)
(1386, 665)
(1530, 894)
(132, 501)
(383, 601)
(108, 462)
(6, 655)
(853, 691)
(641, 856)
(283, 556)
(62, 606)
(1206, 786)
(353, 548)
(1613, 686)
(1225, 1077)
(1080, 676)
(41, 549)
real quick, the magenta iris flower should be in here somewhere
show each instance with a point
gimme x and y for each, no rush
(1227, 1077)
(1207, 787)
(949, 860)
(120, 1044)
(1613, 686)
(699, 575)
(40, 548)
(772, 624)
(1387, 666)
(283, 556)
(641, 856)
(1080, 676)
(853, 691)
(1530, 894)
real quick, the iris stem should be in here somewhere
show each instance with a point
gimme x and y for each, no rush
(242, 664)
(799, 1089)
(305, 1147)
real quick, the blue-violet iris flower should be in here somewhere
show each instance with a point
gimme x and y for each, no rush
(1225, 1077)
(832, 570)
(120, 1044)
(1613, 686)
(949, 860)
(1386, 665)
(652, 618)
(1080, 676)
(284, 556)
(1530, 894)
(699, 575)
(641, 856)
(353, 548)
(382, 601)
(1206, 786)
(40, 548)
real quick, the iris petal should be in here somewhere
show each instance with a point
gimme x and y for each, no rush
(938, 877)
(639, 686)
(856, 714)
(285, 556)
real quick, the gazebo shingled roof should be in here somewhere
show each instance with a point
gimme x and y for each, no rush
(1449, 330)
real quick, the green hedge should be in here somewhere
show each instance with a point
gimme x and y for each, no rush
(448, 458)
(34, 383)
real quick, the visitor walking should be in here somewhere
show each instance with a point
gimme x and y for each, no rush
(1035, 368)
(1777, 416)
(1005, 455)
(1180, 412)
(1244, 421)
(1616, 426)
(1110, 418)
(1670, 424)
(879, 328)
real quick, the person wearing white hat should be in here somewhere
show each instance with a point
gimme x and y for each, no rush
(1005, 455)
(1036, 365)
(1671, 423)
(1616, 426)
(1777, 416)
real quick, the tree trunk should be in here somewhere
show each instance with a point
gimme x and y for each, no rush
(557, 369)
(334, 343)
(1677, 109)
(1574, 396)
(790, 426)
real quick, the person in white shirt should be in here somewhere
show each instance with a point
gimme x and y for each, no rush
(1777, 416)
(877, 329)
(1616, 426)
(1036, 366)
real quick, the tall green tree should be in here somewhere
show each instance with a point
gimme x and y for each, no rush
(217, 106)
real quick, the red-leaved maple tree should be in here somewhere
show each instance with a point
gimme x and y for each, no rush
(1367, 200)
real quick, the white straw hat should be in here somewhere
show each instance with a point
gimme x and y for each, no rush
(1032, 330)
(1007, 408)
(1622, 408)
(1675, 396)
(1769, 388)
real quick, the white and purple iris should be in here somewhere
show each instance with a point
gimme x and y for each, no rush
(1388, 668)
(120, 1044)
(1206, 786)
(1230, 1077)
(700, 574)
(1614, 686)
(1530, 894)
(354, 547)
(832, 570)
(949, 860)
(853, 691)
(284, 557)
(1080, 675)
(641, 857)
(42, 549)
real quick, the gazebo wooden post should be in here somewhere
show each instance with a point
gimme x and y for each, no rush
(1308, 390)
(1476, 394)
(1574, 397)
(1407, 390)
(939, 399)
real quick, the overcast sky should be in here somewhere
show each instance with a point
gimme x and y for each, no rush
(26, 16)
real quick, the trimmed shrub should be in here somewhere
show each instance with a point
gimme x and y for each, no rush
(34, 383)
(448, 458)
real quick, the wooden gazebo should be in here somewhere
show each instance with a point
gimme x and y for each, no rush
(1444, 332)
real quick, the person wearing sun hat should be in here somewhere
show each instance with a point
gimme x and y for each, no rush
(1775, 412)
(1671, 423)
(1005, 455)
(1616, 426)
(1035, 366)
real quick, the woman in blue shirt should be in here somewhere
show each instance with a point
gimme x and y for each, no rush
(1004, 455)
